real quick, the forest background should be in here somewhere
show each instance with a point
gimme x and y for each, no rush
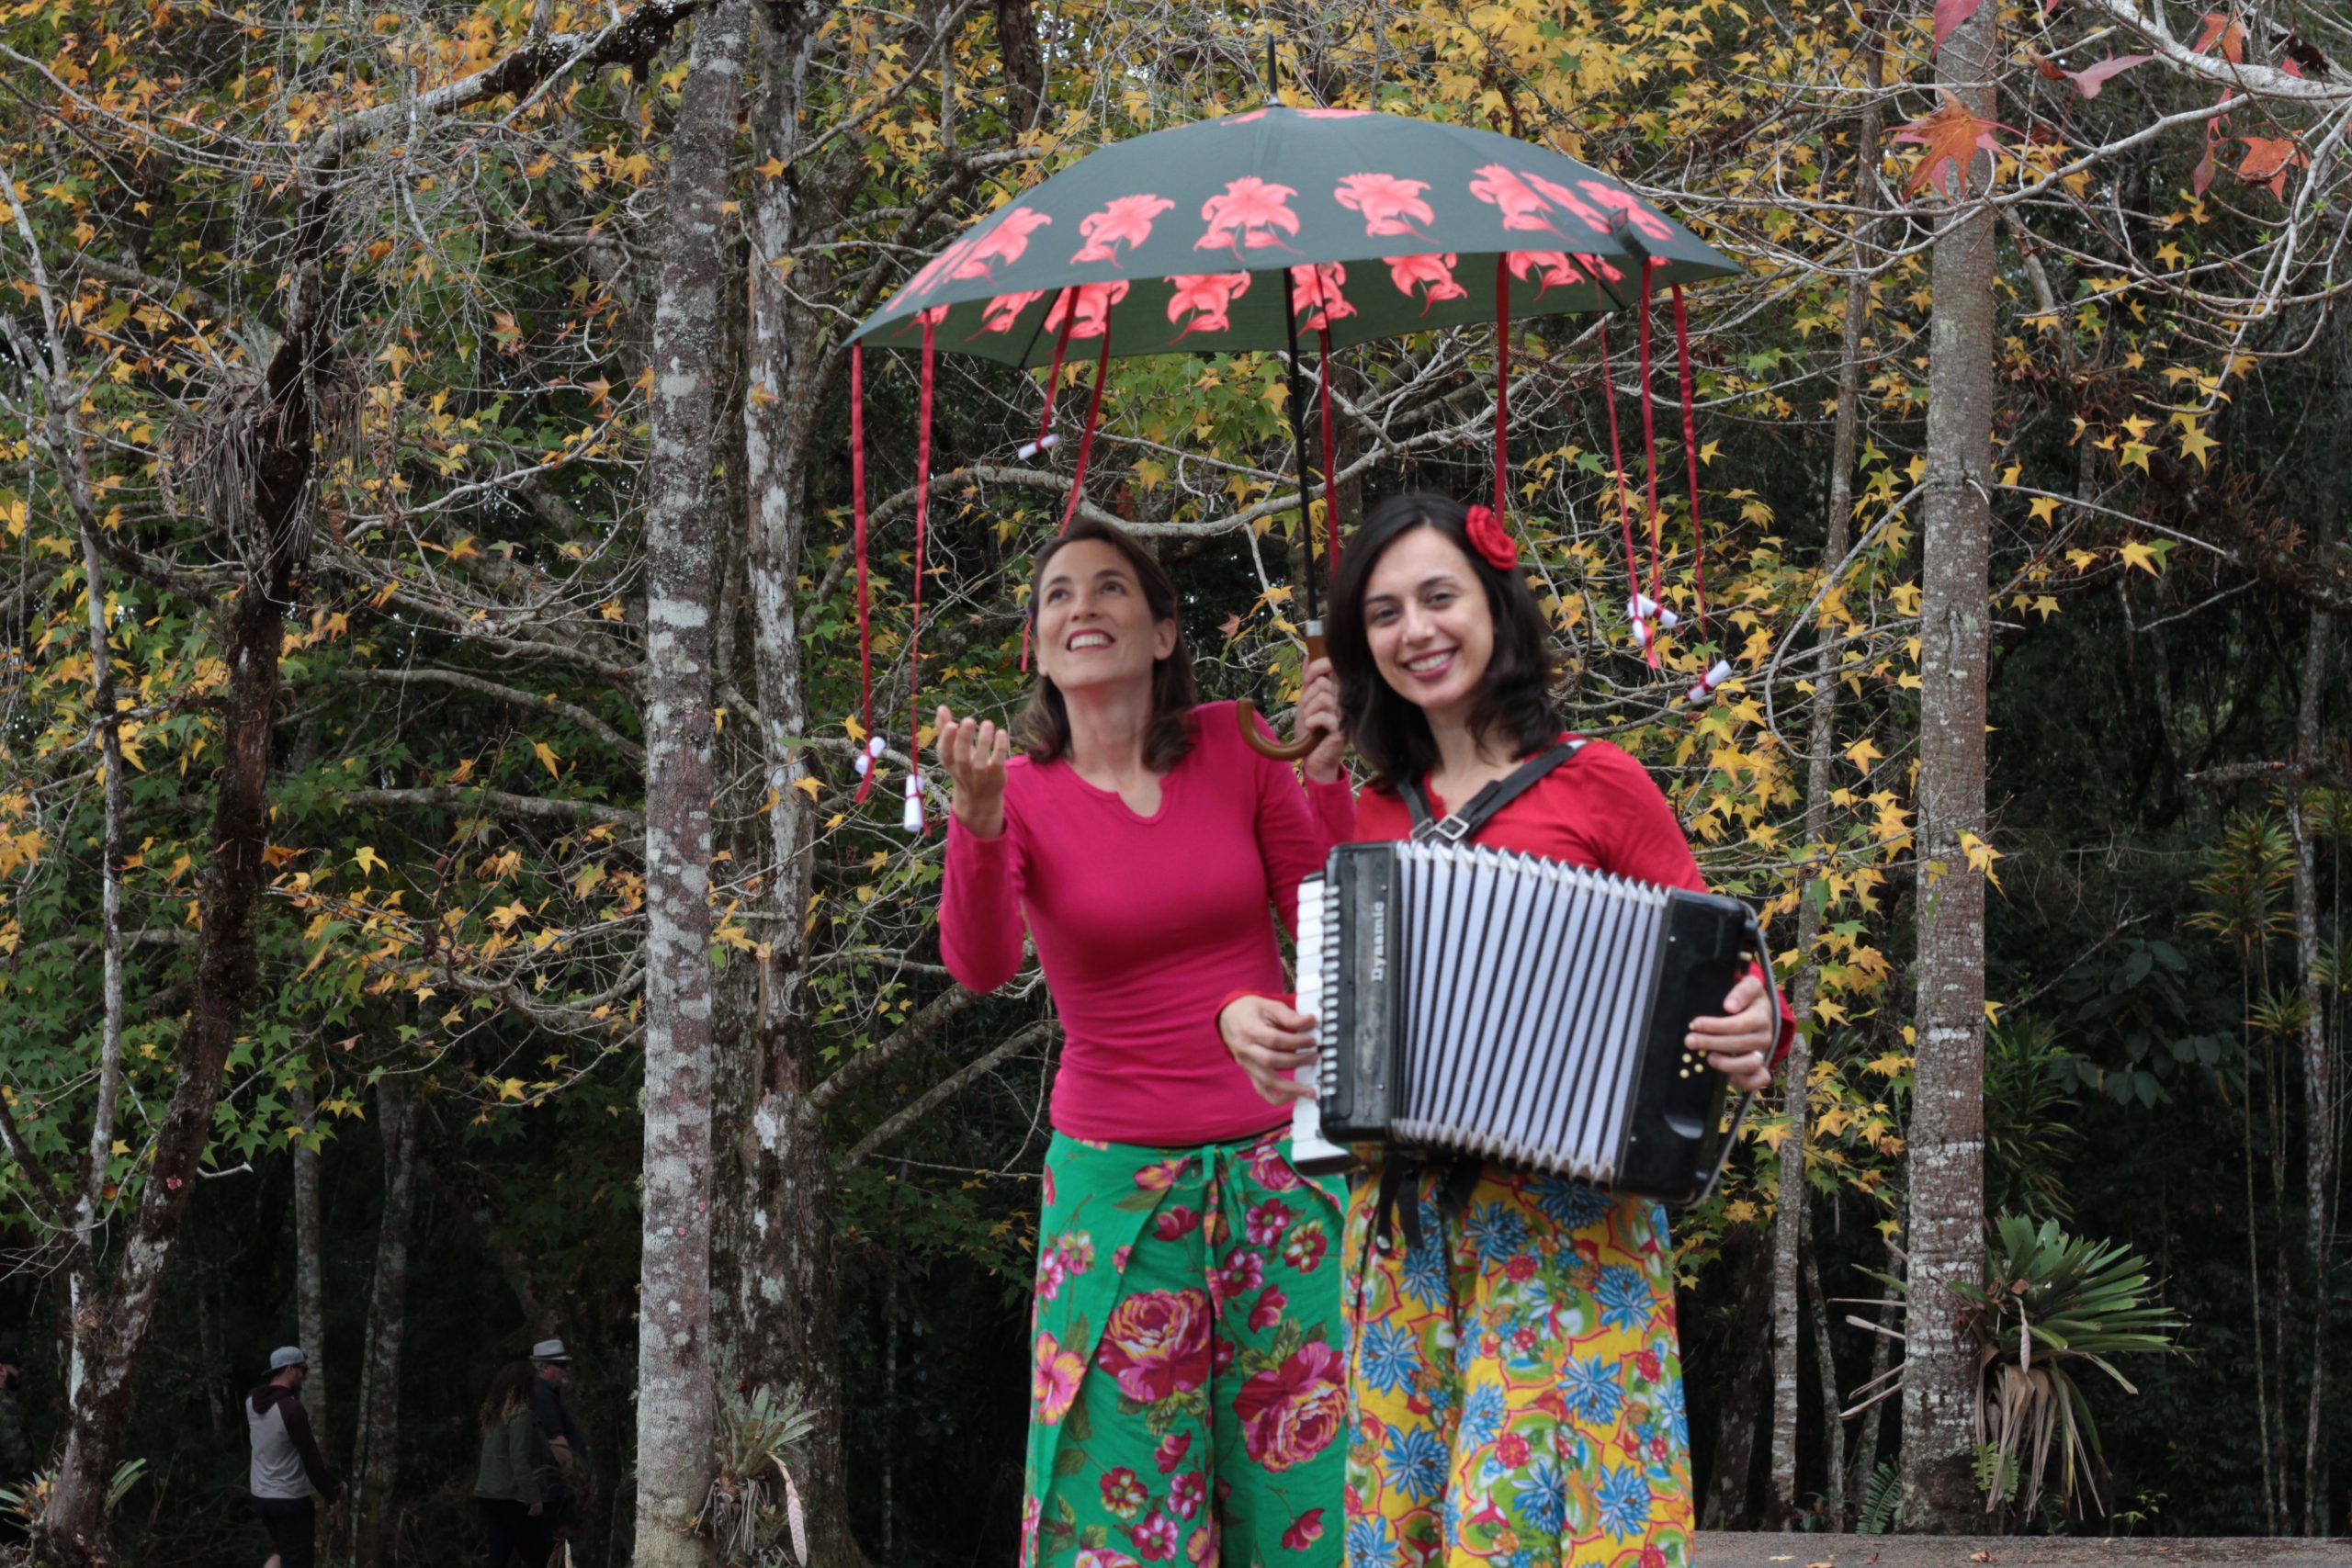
(436, 912)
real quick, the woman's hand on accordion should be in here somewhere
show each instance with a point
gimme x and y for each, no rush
(1271, 1043)
(974, 754)
(1738, 1043)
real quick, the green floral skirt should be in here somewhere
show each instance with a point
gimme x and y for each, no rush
(1188, 1393)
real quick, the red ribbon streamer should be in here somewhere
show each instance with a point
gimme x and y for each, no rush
(1331, 506)
(1502, 387)
(1691, 448)
(1085, 450)
(864, 596)
(922, 517)
(1054, 376)
(1617, 476)
(1650, 440)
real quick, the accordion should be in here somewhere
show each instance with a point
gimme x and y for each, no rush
(1484, 1003)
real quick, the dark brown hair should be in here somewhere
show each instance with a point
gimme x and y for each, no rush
(510, 1391)
(1514, 697)
(1043, 727)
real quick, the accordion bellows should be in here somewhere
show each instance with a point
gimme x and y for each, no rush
(1485, 1003)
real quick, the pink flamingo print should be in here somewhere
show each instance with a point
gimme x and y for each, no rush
(1316, 290)
(1126, 221)
(1386, 203)
(1208, 298)
(1256, 208)
(1433, 276)
(1090, 305)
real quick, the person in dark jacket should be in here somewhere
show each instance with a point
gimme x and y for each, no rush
(517, 1469)
(16, 1448)
(286, 1465)
(552, 1363)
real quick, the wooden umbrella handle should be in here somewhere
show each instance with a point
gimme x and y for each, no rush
(1245, 713)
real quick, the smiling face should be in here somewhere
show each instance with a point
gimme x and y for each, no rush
(1429, 627)
(1095, 626)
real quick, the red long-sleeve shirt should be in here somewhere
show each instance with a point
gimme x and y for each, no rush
(1600, 809)
(1144, 925)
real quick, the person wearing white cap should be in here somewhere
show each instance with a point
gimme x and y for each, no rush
(286, 1465)
(553, 1364)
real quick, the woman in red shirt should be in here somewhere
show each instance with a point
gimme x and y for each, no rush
(1516, 1393)
(1186, 1382)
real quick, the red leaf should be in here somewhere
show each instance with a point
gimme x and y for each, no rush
(2089, 82)
(2230, 34)
(1949, 13)
(1952, 136)
(2268, 159)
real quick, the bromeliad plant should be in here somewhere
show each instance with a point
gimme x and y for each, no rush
(747, 1513)
(2051, 1305)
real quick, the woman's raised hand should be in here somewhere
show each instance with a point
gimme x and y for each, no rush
(1271, 1043)
(974, 752)
(1738, 1043)
(1318, 708)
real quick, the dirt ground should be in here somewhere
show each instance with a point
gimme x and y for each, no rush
(1759, 1550)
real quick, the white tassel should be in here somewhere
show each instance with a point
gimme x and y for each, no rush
(1714, 678)
(871, 755)
(1044, 443)
(911, 821)
(1641, 608)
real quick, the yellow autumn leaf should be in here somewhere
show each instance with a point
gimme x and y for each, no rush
(2140, 555)
(546, 754)
(1863, 754)
(368, 860)
(510, 1089)
(807, 786)
(1981, 856)
(2044, 508)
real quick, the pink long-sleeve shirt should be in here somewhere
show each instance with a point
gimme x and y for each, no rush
(1145, 925)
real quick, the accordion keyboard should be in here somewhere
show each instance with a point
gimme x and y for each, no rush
(1318, 947)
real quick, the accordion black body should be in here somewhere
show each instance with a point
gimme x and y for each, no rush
(1481, 1002)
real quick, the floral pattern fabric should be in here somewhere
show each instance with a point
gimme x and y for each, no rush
(1515, 1389)
(1188, 1381)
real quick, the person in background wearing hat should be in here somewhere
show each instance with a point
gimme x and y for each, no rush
(16, 1448)
(287, 1463)
(553, 1365)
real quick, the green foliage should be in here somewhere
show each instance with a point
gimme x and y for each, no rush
(2029, 1133)
(1881, 1500)
(754, 1504)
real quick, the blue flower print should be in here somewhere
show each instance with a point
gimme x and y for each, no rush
(1625, 1297)
(1590, 1390)
(1496, 1232)
(1425, 1267)
(1389, 1357)
(1625, 1502)
(1482, 1414)
(1674, 1410)
(1542, 1505)
(1569, 1204)
(1415, 1463)
(1370, 1544)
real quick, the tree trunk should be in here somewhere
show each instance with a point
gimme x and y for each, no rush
(376, 1429)
(676, 1414)
(2318, 1152)
(310, 1270)
(1833, 1424)
(1725, 1506)
(1821, 745)
(779, 1196)
(1025, 64)
(1946, 1224)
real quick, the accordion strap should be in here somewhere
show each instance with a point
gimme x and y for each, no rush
(1459, 825)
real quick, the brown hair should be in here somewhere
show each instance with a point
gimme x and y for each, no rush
(1043, 727)
(510, 1393)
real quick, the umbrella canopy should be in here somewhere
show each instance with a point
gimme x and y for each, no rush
(1237, 234)
(1177, 240)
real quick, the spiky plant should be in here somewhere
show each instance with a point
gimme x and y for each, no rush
(753, 1502)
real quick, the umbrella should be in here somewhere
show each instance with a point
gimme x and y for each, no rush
(1240, 233)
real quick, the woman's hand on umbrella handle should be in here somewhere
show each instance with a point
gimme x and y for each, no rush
(1319, 715)
(974, 752)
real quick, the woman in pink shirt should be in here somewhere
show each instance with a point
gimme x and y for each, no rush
(1187, 1389)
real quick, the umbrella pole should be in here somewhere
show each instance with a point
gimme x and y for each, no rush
(1246, 712)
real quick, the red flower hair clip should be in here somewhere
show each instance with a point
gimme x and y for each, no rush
(1491, 539)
